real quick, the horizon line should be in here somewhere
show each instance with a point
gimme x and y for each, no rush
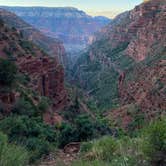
(110, 14)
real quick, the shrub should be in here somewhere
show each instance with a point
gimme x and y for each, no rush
(70, 113)
(23, 78)
(43, 104)
(38, 148)
(102, 149)
(129, 152)
(85, 127)
(86, 147)
(31, 133)
(155, 142)
(8, 72)
(23, 107)
(148, 147)
(126, 161)
(67, 134)
(11, 155)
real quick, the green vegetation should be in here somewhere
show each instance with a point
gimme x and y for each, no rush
(121, 47)
(8, 72)
(67, 134)
(24, 79)
(32, 133)
(99, 77)
(90, 163)
(100, 82)
(24, 126)
(10, 154)
(81, 128)
(43, 104)
(85, 127)
(26, 45)
(147, 148)
(25, 138)
(93, 67)
(155, 142)
(23, 107)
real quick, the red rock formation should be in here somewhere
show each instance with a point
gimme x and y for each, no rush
(52, 47)
(52, 118)
(47, 78)
(148, 89)
(120, 116)
(143, 28)
(148, 22)
(46, 73)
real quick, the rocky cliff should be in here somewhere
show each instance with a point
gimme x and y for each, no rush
(45, 75)
(47, 78)
(141, 30)
(72, 26)
(127, 62)
(52, 47)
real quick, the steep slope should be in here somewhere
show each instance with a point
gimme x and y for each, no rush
(72, 26)
(131, 47)
(32, 93)
(37, 95)
(53, 47)
(45, 74)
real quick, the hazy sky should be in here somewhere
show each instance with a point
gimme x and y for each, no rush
(94, 7)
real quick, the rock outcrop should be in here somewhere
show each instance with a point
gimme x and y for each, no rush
(148, 30)
(47, 78)
(142, 30)
(142, 92)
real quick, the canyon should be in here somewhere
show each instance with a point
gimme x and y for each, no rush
(128, 55)
(116, 86)
(72, 26)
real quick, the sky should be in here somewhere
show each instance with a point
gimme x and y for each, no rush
(108, 8)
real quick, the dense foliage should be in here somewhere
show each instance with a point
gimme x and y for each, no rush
(7, 72)
(83, 128)
(10, 154)
(32, 133)
(147, 148)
